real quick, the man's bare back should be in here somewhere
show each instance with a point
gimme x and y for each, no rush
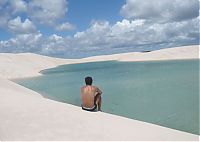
(91, 96)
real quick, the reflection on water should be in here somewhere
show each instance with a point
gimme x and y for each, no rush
(162, 92)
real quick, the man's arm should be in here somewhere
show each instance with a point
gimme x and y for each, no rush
(98, 90)
(81, 93)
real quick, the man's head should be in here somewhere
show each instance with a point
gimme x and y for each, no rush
(88, 80)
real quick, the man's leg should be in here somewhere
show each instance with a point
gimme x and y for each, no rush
(98, 101)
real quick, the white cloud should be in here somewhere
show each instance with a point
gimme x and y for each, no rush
(65, 27)
(18, 6)
(103, 38)
(35, 11)
(54, 44)
(22, 43)
(47, 11)
(3, 20)
(95, 28)
(10, 8)
(126, 26)
(131, 33)
(55, 37)
(161, 10)
(37, 43)
(94, 38)
(18, 27)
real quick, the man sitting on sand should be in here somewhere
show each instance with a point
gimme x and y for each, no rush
(91, 96)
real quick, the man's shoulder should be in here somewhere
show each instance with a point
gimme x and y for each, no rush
(95, 87)
(82, 87)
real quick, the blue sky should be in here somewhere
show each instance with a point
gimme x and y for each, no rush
(82, 12)
(81, 28)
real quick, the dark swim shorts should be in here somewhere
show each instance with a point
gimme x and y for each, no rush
(90, 109)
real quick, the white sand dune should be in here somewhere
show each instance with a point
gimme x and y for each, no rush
(184, 52)
(26, 115)
(26, 64)
(29, 64)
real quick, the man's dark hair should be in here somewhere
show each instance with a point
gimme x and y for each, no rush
(88, 80)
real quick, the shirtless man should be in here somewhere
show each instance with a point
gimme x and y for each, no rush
(91, 96)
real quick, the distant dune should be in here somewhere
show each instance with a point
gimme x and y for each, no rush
(28, 64)
(184, 52)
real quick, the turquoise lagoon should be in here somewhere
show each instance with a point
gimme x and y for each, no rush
(165, 93)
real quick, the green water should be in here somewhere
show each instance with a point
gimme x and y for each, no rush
(165, 93)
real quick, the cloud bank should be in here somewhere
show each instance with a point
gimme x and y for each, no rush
(146, 25)
(161, 11)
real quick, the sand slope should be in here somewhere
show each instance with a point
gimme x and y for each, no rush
(26, 115)
(26, 64)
